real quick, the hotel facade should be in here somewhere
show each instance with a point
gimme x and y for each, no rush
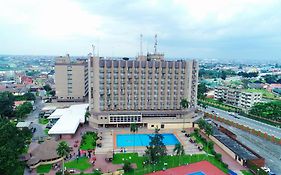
(143, 91)
(71, 79)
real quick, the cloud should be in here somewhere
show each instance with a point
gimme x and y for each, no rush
(195, 28)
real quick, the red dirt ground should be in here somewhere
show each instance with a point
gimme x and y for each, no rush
(204, 166)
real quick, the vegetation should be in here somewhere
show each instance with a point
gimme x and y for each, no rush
(23, 109)
(134, 129)
(13, 144)
(63, 150)
(203, 125)
(26, 97)
(156, 148)
(184, 104)
(209, 73)
(218, 104)
(32, 73)
(81, 164)
(44, 169)
(7, 100)
(202, 89)
(269, 110)
(43, 121)
(246, 172)
(248, 75)
(172, 161)
(88, 141)
(264, 93)
(127, 167)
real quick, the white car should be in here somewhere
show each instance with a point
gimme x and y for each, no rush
(266, 169)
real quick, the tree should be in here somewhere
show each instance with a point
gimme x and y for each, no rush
(13, 144)
(6, 104)
(179, 150)
(202, 89)
(209, 129)
(29, 96)
(47, 87)
(184, 104)
(202, 124)
(156, 148)
(223, 75)
(127, 167)
(134, 129)
(63, 150)
(23, 109)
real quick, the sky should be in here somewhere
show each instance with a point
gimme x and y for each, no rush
(223, 29)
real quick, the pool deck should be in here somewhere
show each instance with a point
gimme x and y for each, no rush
(110, 144)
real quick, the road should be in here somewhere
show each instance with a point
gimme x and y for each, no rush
(33, 117)
(270, 130)
(270, 151)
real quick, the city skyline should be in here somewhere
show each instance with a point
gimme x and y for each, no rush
(192, 29)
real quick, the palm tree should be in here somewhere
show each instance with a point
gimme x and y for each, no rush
(184, 104)
(179, 150)
(63, 150)
(134, 129)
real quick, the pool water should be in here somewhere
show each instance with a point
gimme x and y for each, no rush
(197, 173)
(126, 140)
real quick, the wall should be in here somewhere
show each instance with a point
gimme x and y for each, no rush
(169, 125)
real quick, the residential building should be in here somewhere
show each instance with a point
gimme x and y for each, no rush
(237, 97)
(71, 79)
(143, 91)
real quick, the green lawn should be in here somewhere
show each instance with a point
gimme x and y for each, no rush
(264, 92)
(246, 172)
(172, 161)
(88, 141)
(80, 164)
(43, 121)
(43, 169)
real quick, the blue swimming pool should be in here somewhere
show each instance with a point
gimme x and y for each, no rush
(197, 173)
(126, 140)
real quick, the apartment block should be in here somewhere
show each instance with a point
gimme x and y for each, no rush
(71, 79)
(237, 97)
(146, 92)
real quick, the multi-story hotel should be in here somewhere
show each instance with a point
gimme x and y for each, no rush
(146, 91)
(71, 79)
(236, 97)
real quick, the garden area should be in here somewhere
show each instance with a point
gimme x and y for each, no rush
(88, 141)
(42, 169)
(165, 162)
(264, 93)
(81, 164)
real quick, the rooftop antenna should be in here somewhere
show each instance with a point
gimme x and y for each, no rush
(155, 44)
(140, 44)
(93, 47)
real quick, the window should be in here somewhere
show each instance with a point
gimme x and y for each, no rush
(152, 126)
(162, 125)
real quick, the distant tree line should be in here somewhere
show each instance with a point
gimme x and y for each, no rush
(210, 73)
(248, 75)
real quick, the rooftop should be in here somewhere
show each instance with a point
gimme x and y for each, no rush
(233, 145)
(69, 119)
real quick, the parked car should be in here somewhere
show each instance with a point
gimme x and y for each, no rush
(33, 130)
(49, 126)
(266, 169)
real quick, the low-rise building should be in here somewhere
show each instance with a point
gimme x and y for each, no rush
(237, 97)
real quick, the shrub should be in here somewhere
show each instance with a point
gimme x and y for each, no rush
(127, 167)
(211, 145)
(218, 156)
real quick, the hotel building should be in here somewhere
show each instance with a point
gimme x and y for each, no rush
(71, 79)
(146, 91)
